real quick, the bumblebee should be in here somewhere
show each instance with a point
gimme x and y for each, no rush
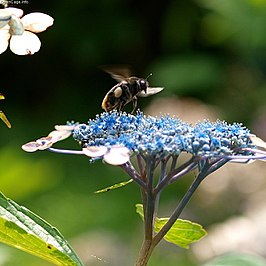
(127, 90)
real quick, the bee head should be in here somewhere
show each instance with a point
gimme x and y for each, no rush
(143, 84)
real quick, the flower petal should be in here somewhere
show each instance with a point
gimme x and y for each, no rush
(5, 16)
(258, 141)
(57, 135)
(117, 155)
(4, 37)
(37, 22)
(14, 11)
(44, 143)
(16, 26)
(26, 44)
(31, 146)
(246, 161)
(65, 127)
(95, 151)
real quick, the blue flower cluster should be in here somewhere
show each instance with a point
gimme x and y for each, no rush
(161, 136)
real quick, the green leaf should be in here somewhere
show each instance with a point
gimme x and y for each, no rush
(139, 210)
(119, 185)
(4, 119)
(182, 233)
(21, 228)
(2, 115)
(239, 259)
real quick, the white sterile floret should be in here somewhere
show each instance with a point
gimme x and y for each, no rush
(21, 31)
(37, 22)
(14, 11)
(27, 43)
(258, 141)
(65, 127)
(47, 142)
(5, 16)
(40, 144)
(30, 146)
(44, 143)
(95, 151)
(4, 37)
(117, 155)
(57, 135)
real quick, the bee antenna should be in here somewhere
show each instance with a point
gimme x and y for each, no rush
(149, 76)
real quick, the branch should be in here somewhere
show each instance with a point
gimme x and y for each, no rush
(182, 204)
(173, 173)
(130, 170)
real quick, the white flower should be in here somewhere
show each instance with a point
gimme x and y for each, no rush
(60, 133)
(116, 155)
(20, 30)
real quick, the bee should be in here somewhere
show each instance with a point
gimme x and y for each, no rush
(127, 90)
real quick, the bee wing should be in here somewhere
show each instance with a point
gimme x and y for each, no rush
(119, 73)
(150, 91)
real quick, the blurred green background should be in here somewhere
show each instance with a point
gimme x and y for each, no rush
(210, 55)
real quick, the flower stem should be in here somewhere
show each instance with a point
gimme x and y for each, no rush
(145, 253)
(178, 172)
(150, 197)
(130, 170)
(65, 151)
(157, 195)
(140, 165)
(148, 200)
(173, 164)
(182, 204)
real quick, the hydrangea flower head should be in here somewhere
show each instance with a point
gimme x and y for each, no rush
(164, 136)
(116, 136)
(21, 30)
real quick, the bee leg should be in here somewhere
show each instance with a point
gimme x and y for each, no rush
(135, 104)
(121, 106)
